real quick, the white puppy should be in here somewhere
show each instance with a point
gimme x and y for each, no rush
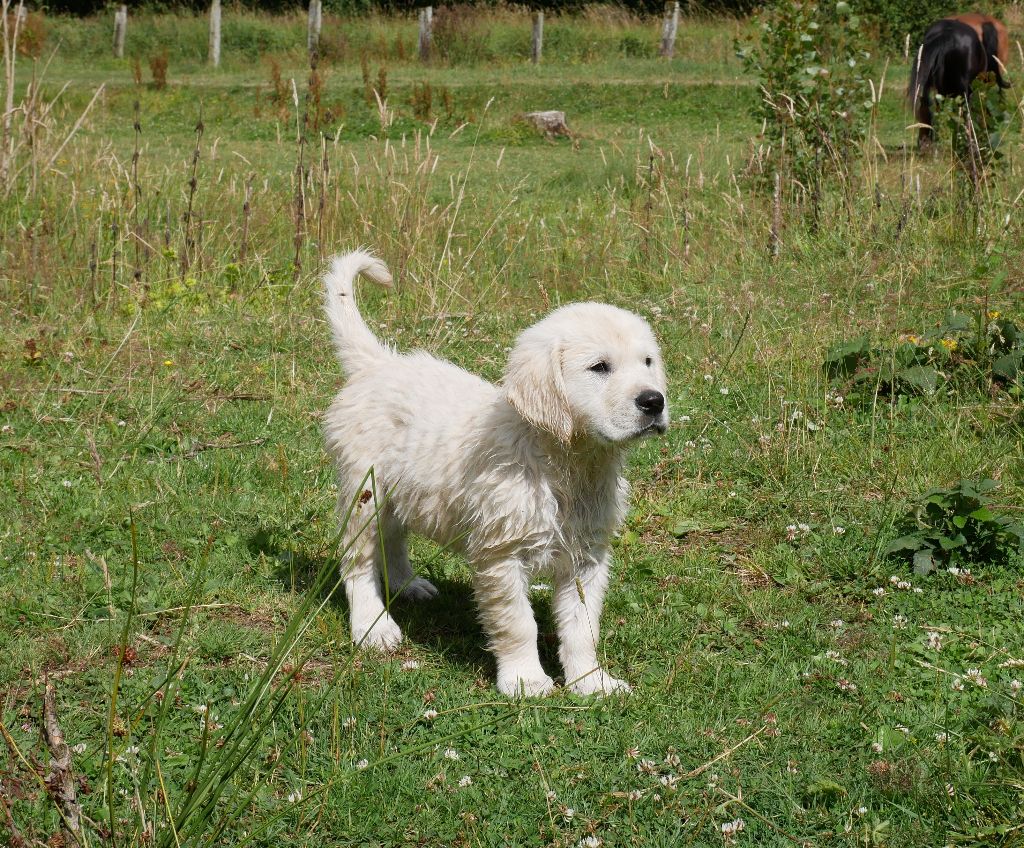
(522, 478)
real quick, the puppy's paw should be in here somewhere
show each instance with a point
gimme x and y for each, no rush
(528, 684)
(384, 634)
(419, 589)
(598, 682)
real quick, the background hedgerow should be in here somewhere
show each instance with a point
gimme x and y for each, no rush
(169, 539)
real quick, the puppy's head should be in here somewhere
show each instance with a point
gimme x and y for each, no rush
(589, 370)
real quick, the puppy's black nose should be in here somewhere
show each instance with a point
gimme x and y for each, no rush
(650, 402)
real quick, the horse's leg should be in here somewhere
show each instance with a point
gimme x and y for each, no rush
(923, 114)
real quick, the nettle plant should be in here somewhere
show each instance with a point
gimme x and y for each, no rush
(963, 354)
(811, 62)
(957, 525)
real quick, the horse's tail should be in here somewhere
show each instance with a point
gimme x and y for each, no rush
(993, 60)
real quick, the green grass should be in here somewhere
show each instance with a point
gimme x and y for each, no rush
(183, 407)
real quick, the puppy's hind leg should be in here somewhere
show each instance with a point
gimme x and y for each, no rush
(402, 581)
(371, 624)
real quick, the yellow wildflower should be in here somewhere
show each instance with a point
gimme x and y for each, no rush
(950, 344)
(168, 362)
(994, 313)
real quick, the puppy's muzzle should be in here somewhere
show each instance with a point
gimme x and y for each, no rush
(650, 402)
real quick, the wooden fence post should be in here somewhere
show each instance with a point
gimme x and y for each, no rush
(538, 37)
(668, 29)
(214, 55)
(426, 32)
(316, 17)
(120, 27)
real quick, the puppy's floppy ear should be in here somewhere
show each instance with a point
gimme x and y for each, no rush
(534, 386)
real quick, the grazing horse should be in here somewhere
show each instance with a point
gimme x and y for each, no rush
(953, 53)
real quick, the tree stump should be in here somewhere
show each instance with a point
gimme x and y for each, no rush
(551, 123)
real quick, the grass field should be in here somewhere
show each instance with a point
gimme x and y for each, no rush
(167, 532)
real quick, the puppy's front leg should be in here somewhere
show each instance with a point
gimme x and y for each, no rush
(578, 600)
(507, 618)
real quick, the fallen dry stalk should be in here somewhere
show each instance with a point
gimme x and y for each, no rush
(726, 753)
(61, 780)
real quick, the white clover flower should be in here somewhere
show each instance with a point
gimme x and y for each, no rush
(975, 676)
(591, 842)
(568, 813)
(362, 765)
(836, 624)
(838, 531)
(410, 665)
(934, 641)
(634, 795)
(646, 767)
(349, 723)
(733, 827)
(79, 748)
(451, 754)
(1016, 686)
(957, 685)
(876, 747)
(685, 419)
(632, 753)
(295, 797)
(950, 790)
(902, 728)
(844, 685)
(942, 738)
(899, 621)
(430, 714)
(723, 390)
(879, 592)
(862, 811)
(709, 378)
(551, 796)
(465, 781)
(672, 759)
(67, 484)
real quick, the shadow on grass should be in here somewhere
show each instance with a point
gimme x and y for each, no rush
(446, 624)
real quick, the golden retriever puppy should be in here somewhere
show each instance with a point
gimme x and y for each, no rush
(523, 478)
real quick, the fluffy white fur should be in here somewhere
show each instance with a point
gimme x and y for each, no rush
(523, 478)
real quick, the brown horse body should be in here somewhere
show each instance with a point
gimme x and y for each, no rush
(994, 38)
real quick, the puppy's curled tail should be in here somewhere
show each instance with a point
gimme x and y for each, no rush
(354, 344)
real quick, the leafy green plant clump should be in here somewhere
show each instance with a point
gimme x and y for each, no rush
(963, 354)
(957, 525)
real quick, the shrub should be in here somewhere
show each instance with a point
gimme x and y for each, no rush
(985, 118)
(957, 525)
(896, 19)
(158, 67)
(815, 99)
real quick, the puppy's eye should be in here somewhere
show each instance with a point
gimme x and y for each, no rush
(601, 367)
(647, 362)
